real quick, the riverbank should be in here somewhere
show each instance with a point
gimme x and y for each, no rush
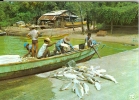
(120, 35)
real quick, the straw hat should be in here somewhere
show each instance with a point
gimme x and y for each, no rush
(67, 39)
(47, 39)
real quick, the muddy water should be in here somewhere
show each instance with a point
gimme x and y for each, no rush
(13, 45)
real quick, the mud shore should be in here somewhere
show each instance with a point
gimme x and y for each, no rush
(126, 38)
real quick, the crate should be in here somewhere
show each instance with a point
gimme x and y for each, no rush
(101, 33)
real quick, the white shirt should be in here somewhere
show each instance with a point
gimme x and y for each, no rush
(34, 34)
(41, 50)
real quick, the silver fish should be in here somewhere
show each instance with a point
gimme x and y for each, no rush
(81, 89)
(109, 77)
(97, 85)
(78, 91)
(87, 75)
(90, 80)
(69, 75)
(86, 88)
(65, 86)
(91, 76)
(75, 81)
(101, 71)
(80, 75)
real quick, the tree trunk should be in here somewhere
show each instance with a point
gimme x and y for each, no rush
(81, 20)
(112, 27)
(87, 19)
(94, 24)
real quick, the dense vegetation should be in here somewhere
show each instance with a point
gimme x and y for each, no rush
(100, 12)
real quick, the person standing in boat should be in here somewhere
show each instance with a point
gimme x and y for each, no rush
(29, 49)
(89, 41)
(33, 34)
(61, 43)
(44, 51)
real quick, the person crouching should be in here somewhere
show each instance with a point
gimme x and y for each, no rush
(44, 51)
(59, 47)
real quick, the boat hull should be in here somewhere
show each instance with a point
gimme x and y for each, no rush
(3, 33)
(14, 70)
(75, 24)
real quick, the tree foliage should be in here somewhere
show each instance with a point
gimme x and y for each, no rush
(104, 12)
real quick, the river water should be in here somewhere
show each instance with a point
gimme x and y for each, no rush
(12, 45)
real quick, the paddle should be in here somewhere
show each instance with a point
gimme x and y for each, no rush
(95, 51)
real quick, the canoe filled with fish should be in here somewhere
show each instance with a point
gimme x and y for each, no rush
(35, 66)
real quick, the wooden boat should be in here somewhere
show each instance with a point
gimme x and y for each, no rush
(57, 36)
(18, 69)
(75, 24)
(2, 33)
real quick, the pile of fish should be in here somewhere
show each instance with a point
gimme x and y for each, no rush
(79, 75)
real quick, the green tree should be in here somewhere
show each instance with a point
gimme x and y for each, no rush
(117, 12)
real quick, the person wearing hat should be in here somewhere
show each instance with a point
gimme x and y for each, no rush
(59, 46)
(29, 48)
(33, 34)
(44, 51)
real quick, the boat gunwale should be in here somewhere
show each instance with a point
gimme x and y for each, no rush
(56, 56)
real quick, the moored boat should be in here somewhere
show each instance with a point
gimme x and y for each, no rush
(74, 24)
(18, 69)
(2, 33)
(59, 36)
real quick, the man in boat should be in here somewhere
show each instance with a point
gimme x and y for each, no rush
(89, 41)
(29, 49)
(65, 42)
(44, 51)
(34, 35)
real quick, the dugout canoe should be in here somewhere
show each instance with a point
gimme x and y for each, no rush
(19, 69)
(2, 33)
(75, 24)
(56, 36)
(59, 36)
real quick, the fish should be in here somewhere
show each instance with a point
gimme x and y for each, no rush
(94, 79)
(75, 81)
(91, 76)
(81, 76)
(97, 67)
(87, 75)
(73, 88)
(65, 86)
(92, 73)
(109, 77)
(90, 80)
(86, 88)
(70, 75)
(77, 90)
(81, 89)
(101, 71)
(97, 85)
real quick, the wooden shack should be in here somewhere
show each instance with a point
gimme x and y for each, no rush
(57, 18)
